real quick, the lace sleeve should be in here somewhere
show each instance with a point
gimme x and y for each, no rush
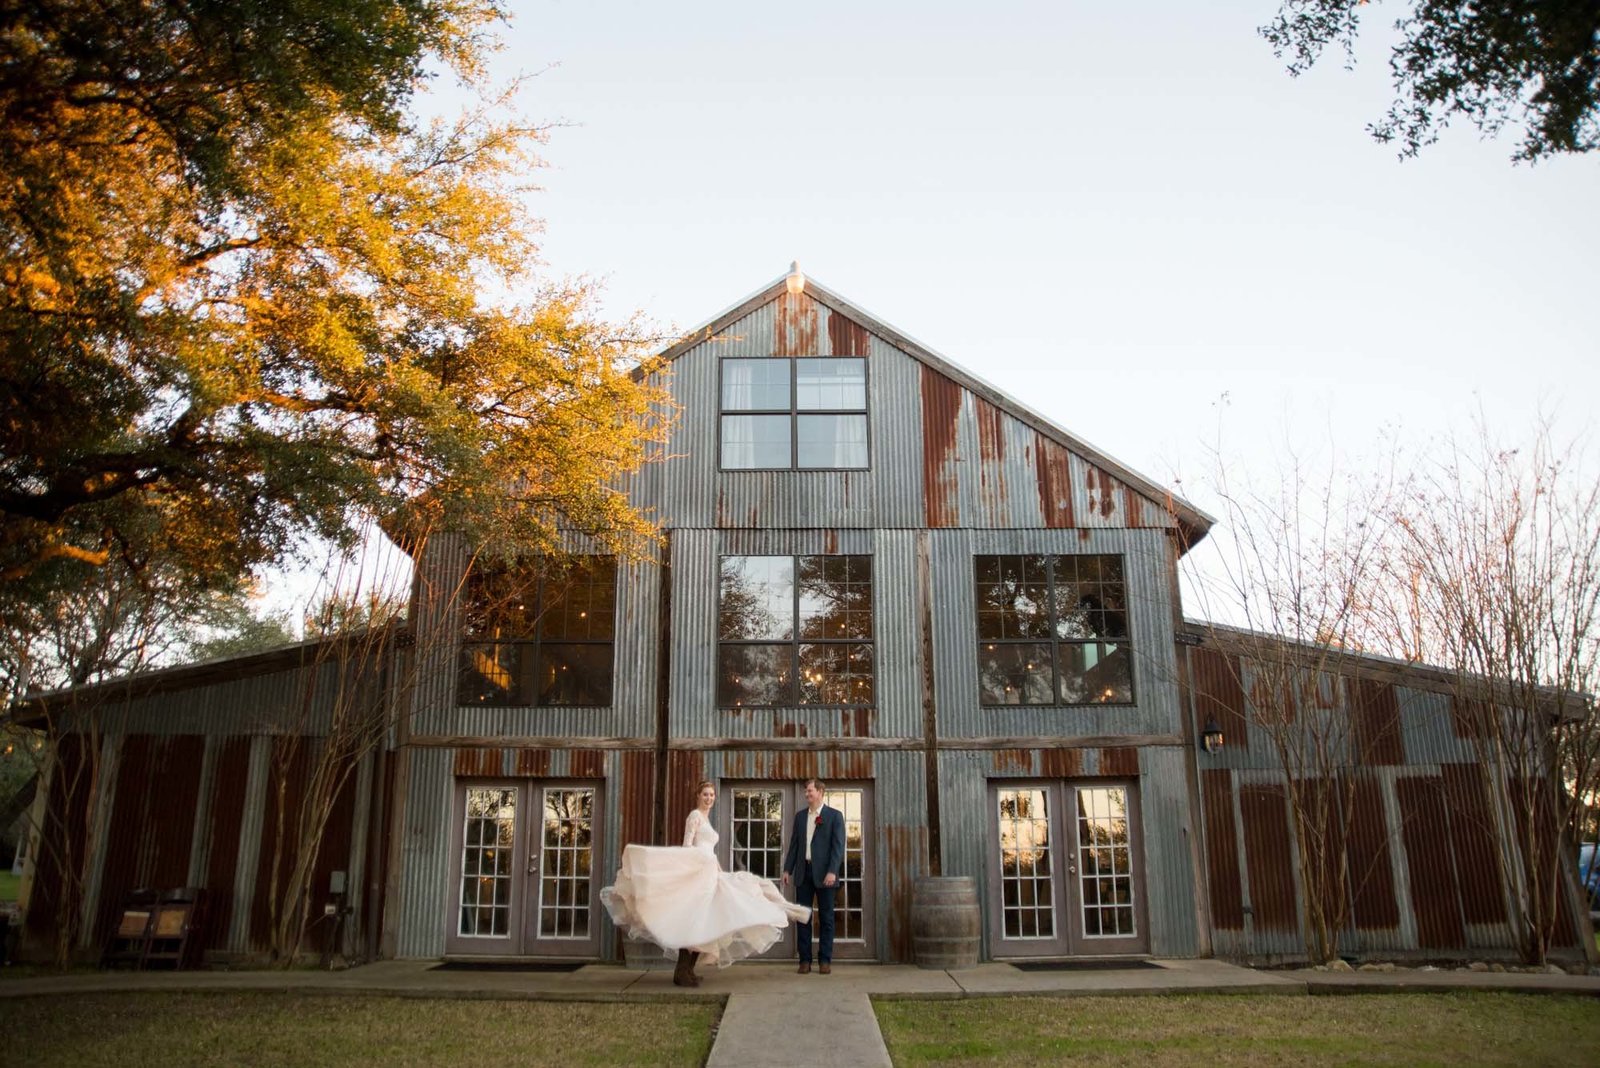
(690, 826)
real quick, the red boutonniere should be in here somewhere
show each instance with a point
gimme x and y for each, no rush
(819, 821)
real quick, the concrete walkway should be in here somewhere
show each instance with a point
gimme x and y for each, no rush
(769, 1012)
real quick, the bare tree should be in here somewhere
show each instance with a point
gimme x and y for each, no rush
(1293, 566)
(1499, 560)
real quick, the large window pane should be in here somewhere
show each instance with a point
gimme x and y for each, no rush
(1014, 673)
(1013, 597)
(755, 385)
(756, 600)
(581, 601)
(493, 674)
(1096, 673)
(830, 385)
(755, 441)
(832, 441)
(761, 675)
(835, 597)
(836, 674)
(574, 674)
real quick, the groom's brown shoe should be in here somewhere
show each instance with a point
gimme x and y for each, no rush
(805, 967)
(825, 968)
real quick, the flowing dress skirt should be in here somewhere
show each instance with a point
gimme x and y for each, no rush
(678, 898)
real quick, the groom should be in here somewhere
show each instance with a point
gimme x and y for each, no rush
(815, 861)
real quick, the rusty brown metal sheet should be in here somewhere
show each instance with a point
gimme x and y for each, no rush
(222, 851)
(637, 794)
(905, 851)
(685, 768)
(1376, 724)
(846, 337)
(1268, 857)
(941, 409)
(1222, 851)
(70, 790)
(1539, 842)
(1101, 491)
(534, 763)
(1012, 761)
(1425, 830)
(1120, 761)
(295, 766)
(1466, 717)
(479, 763)
(1371, 868)
(152, 821)
(795, 329)
(587, 763)
(1061, 763)
(1472, 834)
(1053, 464)
(1218, 696)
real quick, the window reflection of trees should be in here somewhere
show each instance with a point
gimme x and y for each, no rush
(539, 634)
(795, 631)
(1052, 630)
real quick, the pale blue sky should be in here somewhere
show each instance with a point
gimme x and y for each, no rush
(1117, 212)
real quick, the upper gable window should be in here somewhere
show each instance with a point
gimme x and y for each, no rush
(804, 412)
(1053, 630)
(539, 636)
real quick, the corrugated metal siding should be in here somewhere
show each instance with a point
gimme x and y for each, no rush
(226, 808)
(152, 820)
(425, 854)
(1168, 833)
(1274, 900)
(1435, 897)
(1144, 554)
(942, 455)
(70, 789)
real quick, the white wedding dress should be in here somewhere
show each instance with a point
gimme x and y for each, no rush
(679, 898)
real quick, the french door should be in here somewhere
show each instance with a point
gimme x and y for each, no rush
(524, 875)
(757, 819)
(1064, 873)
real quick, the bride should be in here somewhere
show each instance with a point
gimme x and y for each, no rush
(680, 899)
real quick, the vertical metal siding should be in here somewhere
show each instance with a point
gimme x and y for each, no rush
(1167, 832)
(425, 854)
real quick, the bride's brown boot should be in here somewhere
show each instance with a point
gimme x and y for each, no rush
(683, 974)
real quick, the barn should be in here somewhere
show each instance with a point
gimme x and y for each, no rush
(874, 569)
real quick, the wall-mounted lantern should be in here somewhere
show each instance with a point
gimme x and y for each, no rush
(1211, 737)
(795, 283)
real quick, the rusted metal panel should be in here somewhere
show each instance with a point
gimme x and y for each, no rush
(152, 821)
(638, 789)
(795, 329)
(1472, 836)
(1269, 858)
(586, 763)
(1119, 761)
(1099, 502)
(228, 799)
(1373, 900)
(534, 763)
(70, 792)
(1425, 830)
(941, 409)
(484, 763)
(1219, 696)
(1053, 467)
(1376, 723)
(845, 336)
(1222, 852)
(1061, 763)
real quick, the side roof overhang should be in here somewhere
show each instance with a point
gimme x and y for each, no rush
(1192, 523)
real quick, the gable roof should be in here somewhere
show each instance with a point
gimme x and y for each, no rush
(1193, 524)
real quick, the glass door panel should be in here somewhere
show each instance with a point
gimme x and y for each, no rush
(850, 904)
(487, 882)
(565, 921)
(1064, 878)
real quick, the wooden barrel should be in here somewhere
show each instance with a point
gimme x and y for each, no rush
(944, 922)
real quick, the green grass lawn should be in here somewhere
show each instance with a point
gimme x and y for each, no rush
(260, 1029)
(1386, 1029)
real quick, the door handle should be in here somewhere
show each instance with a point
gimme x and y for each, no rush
(533, 864)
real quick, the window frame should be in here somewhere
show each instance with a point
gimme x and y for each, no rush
(1052, 636)
(796, 639)
(794, 412)
(535, 642)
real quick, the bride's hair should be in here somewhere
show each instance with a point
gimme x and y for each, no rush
(703, 783)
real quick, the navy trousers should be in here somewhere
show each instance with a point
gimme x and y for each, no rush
(821, 916)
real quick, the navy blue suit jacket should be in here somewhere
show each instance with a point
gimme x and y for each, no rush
(827, 846)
